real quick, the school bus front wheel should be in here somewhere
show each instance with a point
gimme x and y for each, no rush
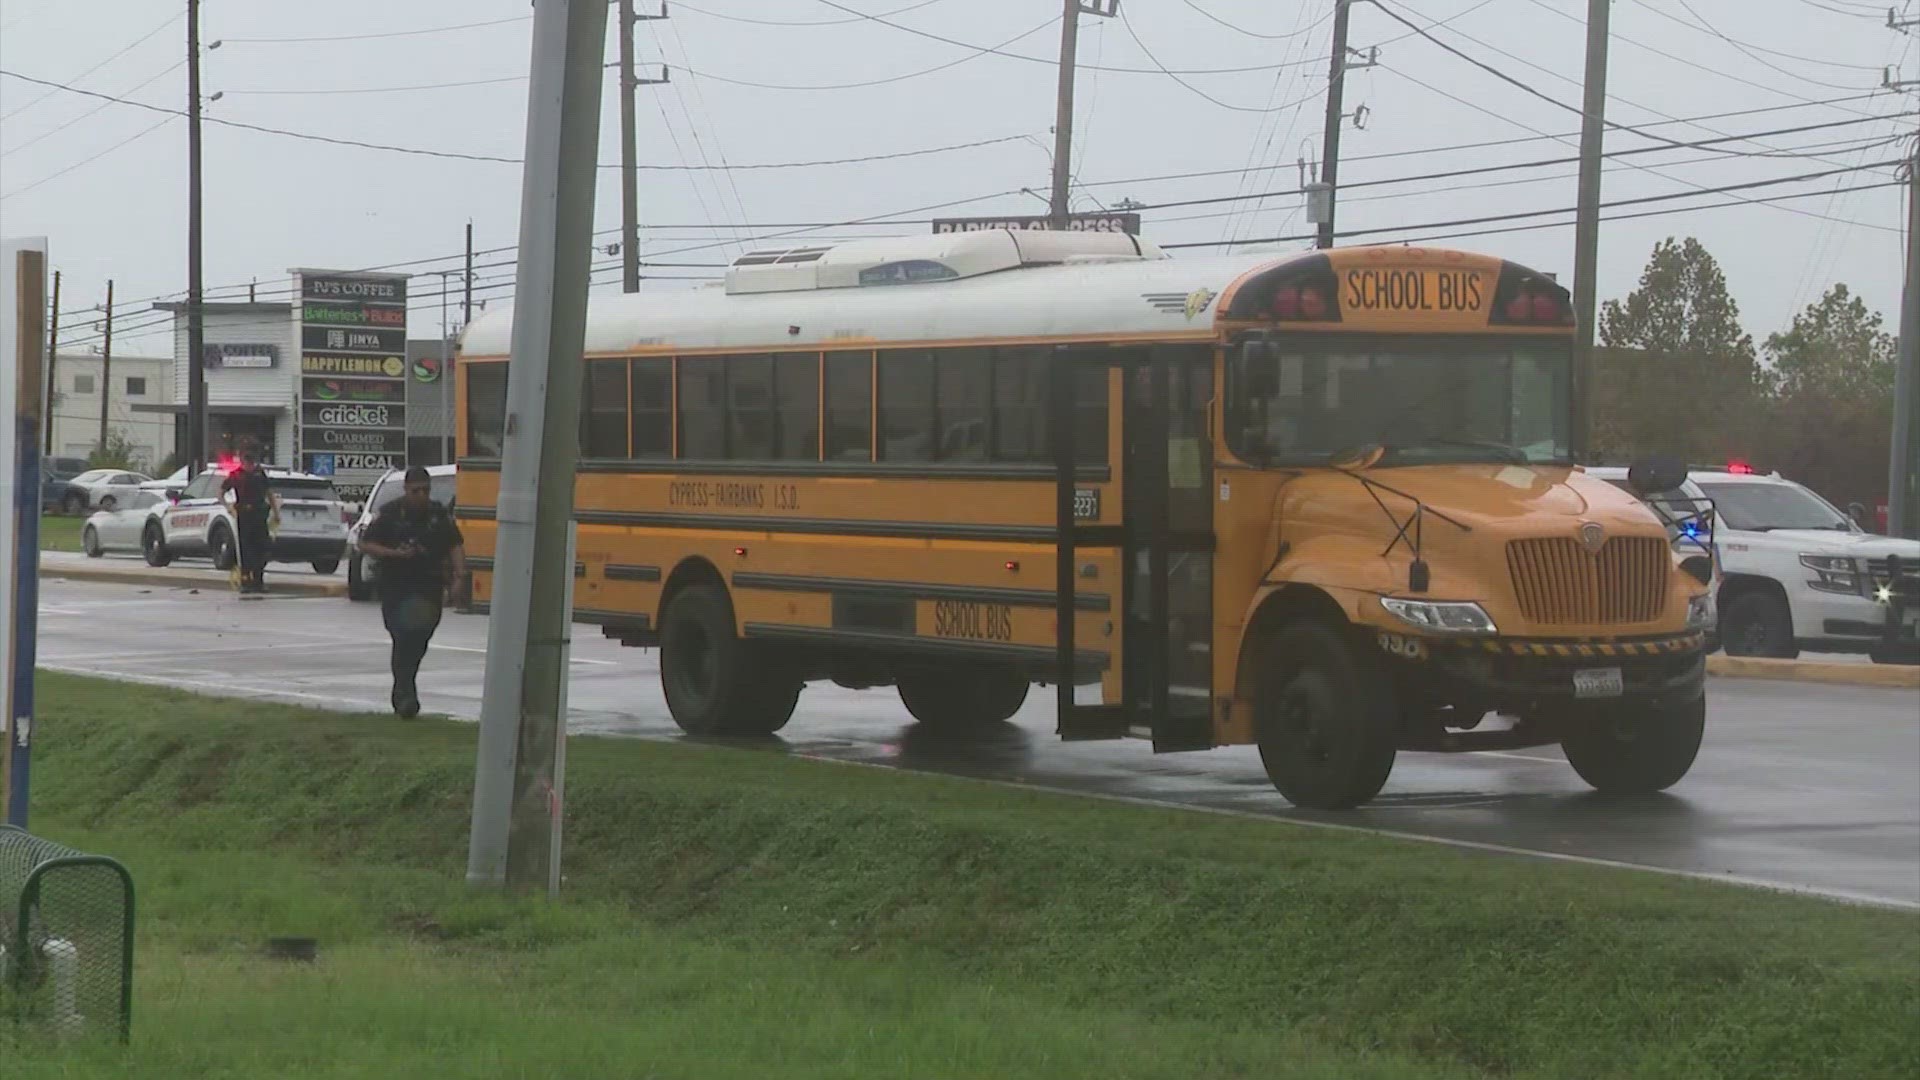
(1636, 750)
(1324, 718)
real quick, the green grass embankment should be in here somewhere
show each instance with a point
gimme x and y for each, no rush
(738, 913)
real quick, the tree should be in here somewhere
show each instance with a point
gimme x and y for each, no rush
(1836, 346)
(118, 452)
(1832, 414)
(1680, 375)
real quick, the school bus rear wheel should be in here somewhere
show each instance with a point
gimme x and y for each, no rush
(965, 698)
(1323, 717)
(717, 684)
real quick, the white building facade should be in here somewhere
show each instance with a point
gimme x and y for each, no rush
(82, 380)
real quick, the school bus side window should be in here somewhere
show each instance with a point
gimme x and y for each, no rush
(796, 395)
(486, 409)
(703, 408)
(652, 397)
(603, 412)
(849, 406)
(906, 405)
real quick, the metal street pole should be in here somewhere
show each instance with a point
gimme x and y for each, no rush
(106, 369)
(516, 784)
(466, 296)
(1586, 228)
(196, 331)
(1903, 502)
(53, 358)
(1336, 92)
(446, 374)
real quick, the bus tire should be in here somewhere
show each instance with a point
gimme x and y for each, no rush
(717, 684)
(1324, 719)
(963, 698)
(1637, 751)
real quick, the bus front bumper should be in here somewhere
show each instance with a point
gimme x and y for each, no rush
(1530, 676)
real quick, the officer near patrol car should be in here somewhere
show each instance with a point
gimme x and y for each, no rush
(422, 564)
(253, 501)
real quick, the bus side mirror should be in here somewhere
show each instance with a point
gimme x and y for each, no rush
(1651, 476)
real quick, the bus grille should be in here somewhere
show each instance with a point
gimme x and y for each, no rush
(1559, 583)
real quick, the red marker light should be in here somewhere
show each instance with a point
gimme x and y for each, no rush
(1546, 309)
(1011, 565)
(1520, 308)
(740, 551)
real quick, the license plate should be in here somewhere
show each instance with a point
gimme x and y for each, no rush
(1598, 683)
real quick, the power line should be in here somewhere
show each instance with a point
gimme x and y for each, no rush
(1164, 70)
(1748, 52)
(1211, 17)
(814, 22)
(137, 42)
(975, 55)
(1708, 28)
(1636, 201)
(383, 89)
(143, 133)
(455, 155)
(370, 37)
(1651, 170)
(1048, 61)
(76, 121)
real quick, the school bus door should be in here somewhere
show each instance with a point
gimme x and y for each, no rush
(1166, 543)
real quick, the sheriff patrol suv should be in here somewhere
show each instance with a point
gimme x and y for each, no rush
(1799, 575)
(313, 527)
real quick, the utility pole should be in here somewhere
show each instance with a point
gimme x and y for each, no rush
(1061, 213)
(517, 782)
(53, 359)
(106, 368)
(1586, 227)
(1343, 60)
(1903, 515)
(630, 82)
(466, 298)
(446, 373)
(196, 329)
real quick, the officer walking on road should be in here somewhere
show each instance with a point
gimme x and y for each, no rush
(422, 563)
(252, 499)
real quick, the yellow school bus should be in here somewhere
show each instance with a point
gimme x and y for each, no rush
(1322, 503)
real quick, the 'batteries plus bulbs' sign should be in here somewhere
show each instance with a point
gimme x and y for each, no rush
(353, 377)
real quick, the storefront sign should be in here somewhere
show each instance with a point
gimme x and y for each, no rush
(387, 390)
(262, 355)
(353, 385)
(1106, 223)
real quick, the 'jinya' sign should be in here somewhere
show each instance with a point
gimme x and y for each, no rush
(353, 385)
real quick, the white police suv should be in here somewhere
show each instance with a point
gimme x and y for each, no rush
(313, 526)
(1800, 576)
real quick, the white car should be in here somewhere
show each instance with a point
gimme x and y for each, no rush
(103, 489)
(123, 527)
(389, 488)
(1800, 576)
(313, 527)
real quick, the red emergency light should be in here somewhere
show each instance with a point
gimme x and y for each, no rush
(1739, 468)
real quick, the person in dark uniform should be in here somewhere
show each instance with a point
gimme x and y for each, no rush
(422, 562)
(252, 501)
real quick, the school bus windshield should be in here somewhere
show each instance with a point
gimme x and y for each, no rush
(1295, 401)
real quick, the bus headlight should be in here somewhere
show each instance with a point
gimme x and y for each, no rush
(1701, 613)
(1443, 616)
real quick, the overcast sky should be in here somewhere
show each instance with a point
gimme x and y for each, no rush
(111, 199)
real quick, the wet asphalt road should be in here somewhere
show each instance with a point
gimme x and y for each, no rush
(1799, 786)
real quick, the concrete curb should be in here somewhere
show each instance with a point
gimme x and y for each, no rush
(1890, 676)
(185, 579)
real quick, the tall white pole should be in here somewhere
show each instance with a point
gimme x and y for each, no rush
(514, 796)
